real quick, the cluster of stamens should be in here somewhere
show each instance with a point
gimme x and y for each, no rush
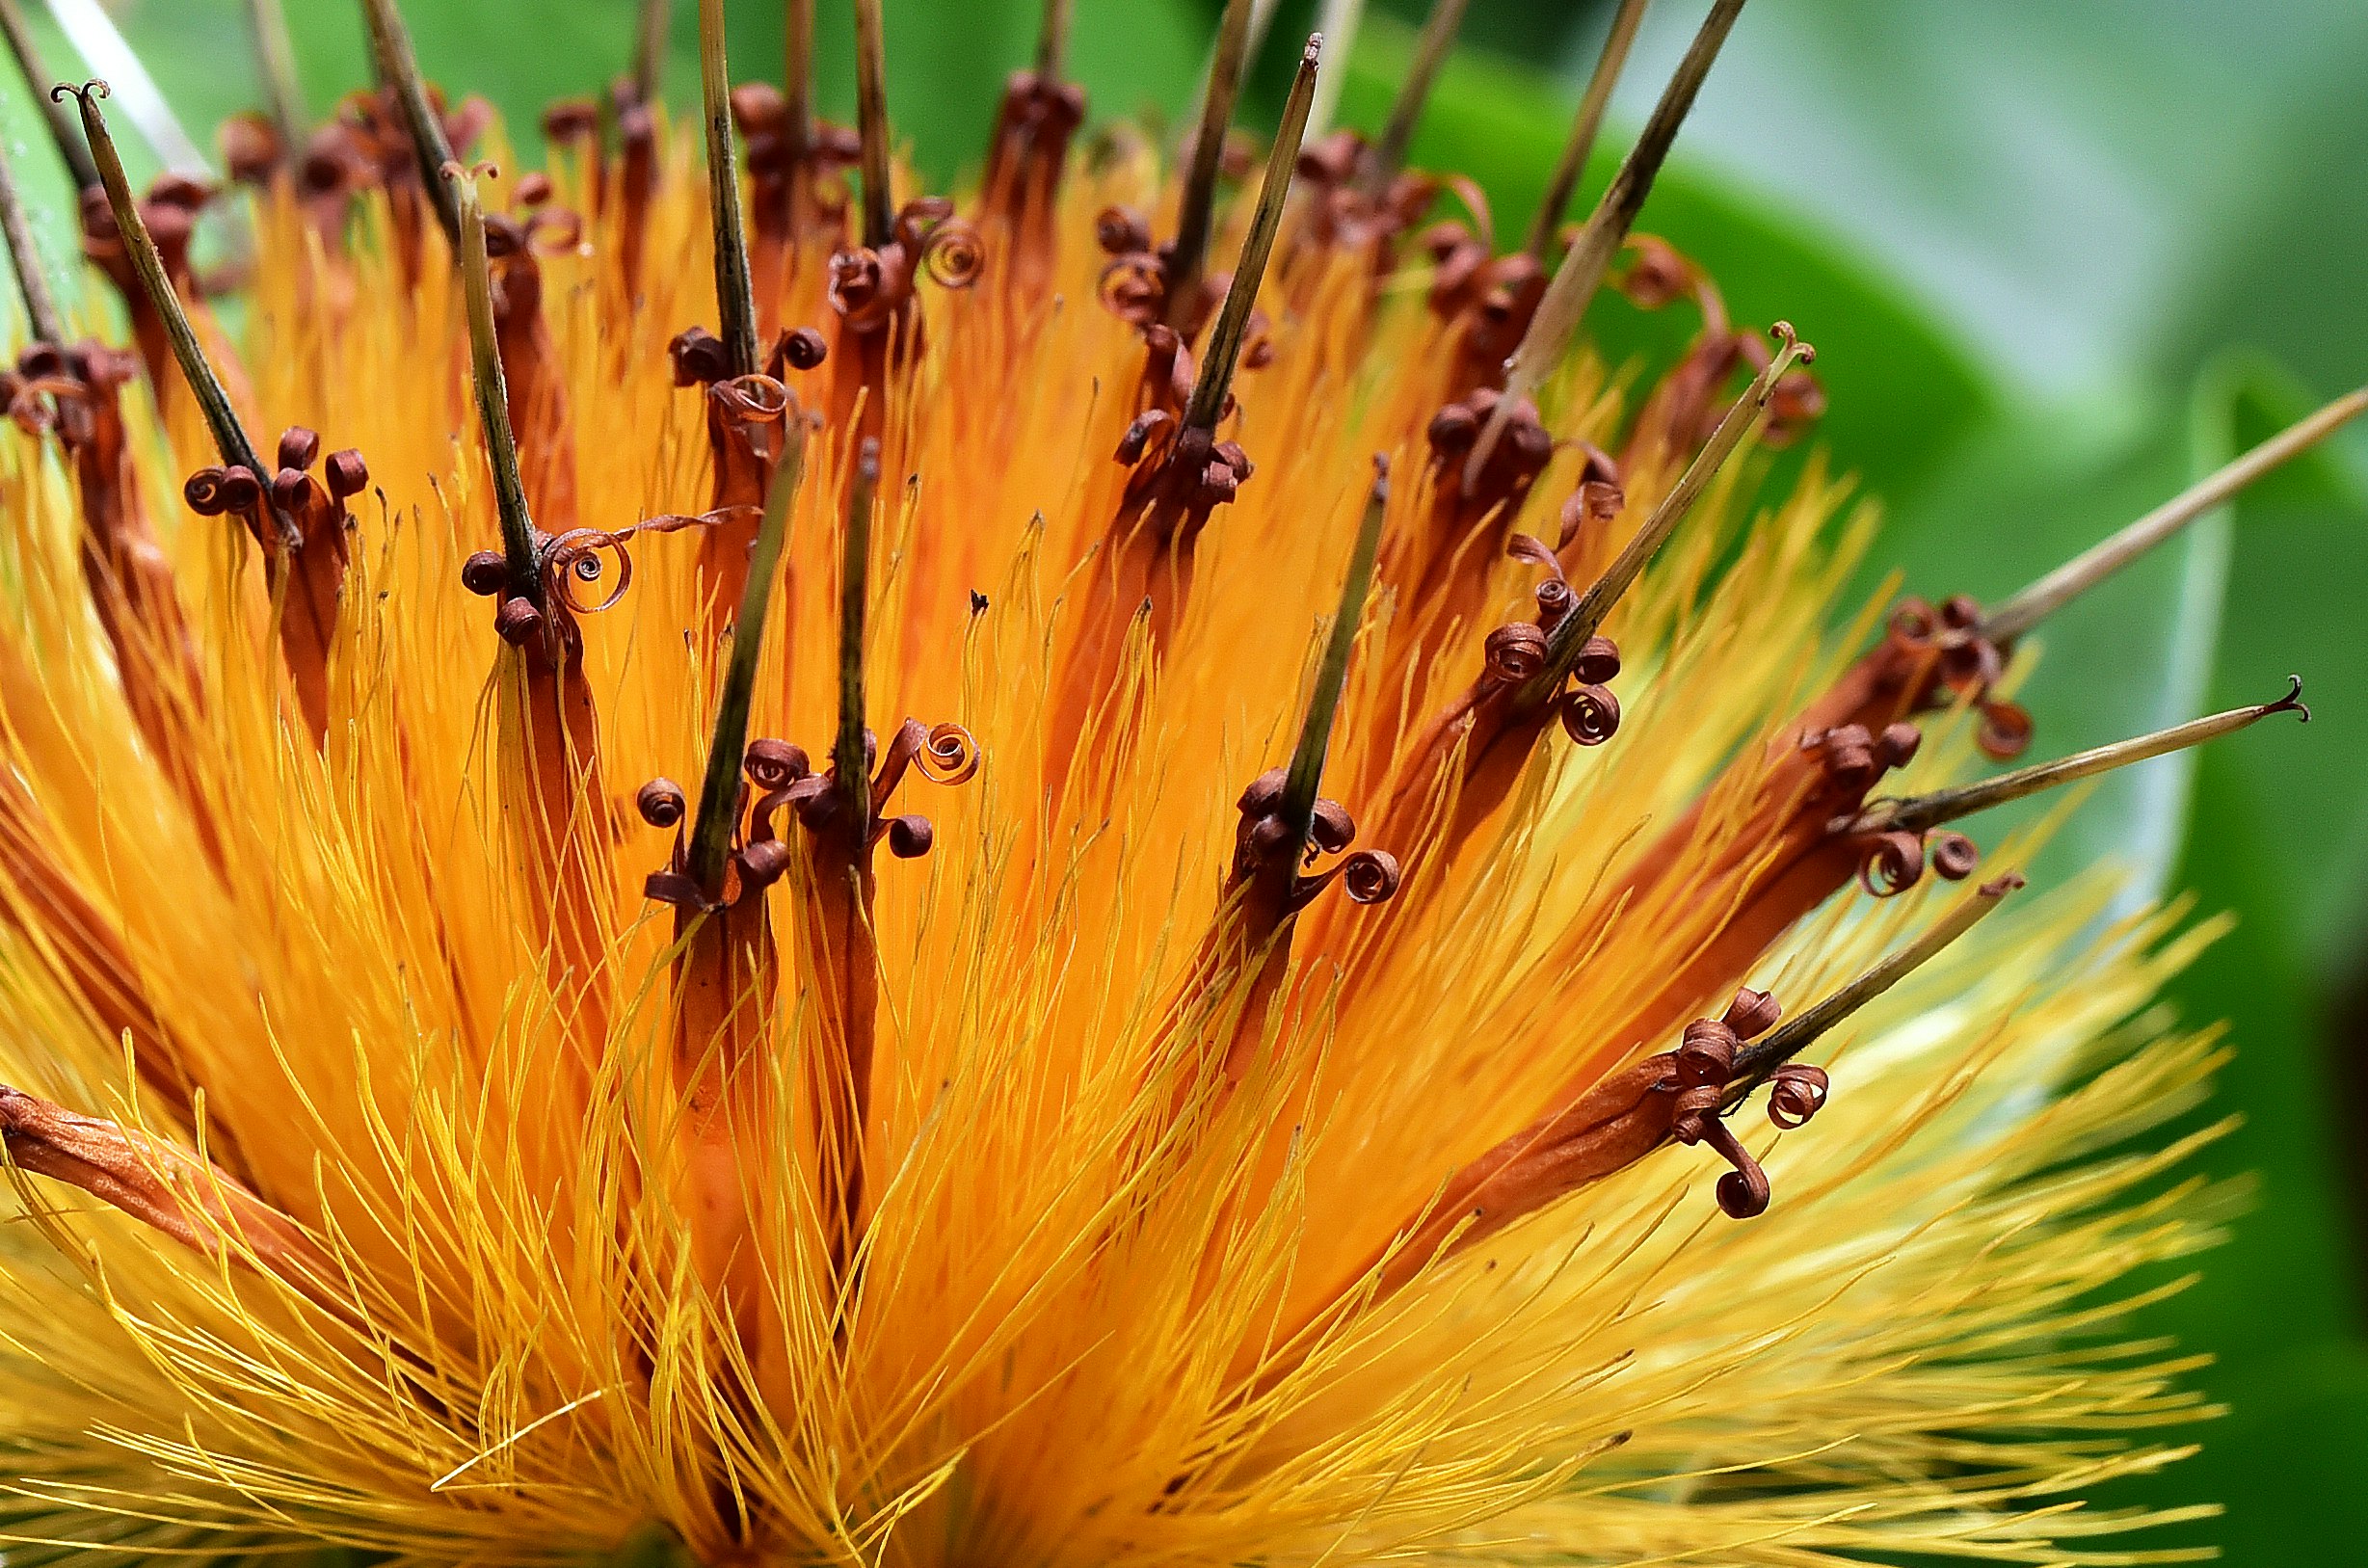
(1703, 1071)
(1367, 876)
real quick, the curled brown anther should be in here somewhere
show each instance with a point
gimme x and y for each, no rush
(1893, 863)
(1796, 1092)
(1953, 857)
(804, 349)
(1590, 715)
(662, 803)
(516, 622)
(774, 764)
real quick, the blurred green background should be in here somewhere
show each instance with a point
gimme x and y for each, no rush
(2059, 256)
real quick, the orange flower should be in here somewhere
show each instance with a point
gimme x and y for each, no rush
(1265, 829)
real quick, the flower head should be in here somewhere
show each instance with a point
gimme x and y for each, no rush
(1293, 938)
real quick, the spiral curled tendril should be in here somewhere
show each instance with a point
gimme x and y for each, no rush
(1370, 876)
(1892, 864)
(1515, 653)
(662, 803)
(576, 557)
(948, 756)
(1133, 287)
(752, 399)
(1796, 1092)
(953, 254)
(1590, 715)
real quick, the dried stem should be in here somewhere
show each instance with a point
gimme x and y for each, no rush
(1196, 208)
(398, 66)
(213, 400)
(1430, 52)
(798, 76)
(1583, 269)
(872, 123)
(517, 527)
(2076, 576)
(735, 296)
(276, 53)
(719, 792)
(1921, 811)
(1796, 1034)
(1224, 350)
(1052, 39)
(649, 47)
(1573, 167)
(847, 751)
(1298, 808)
(1586, 617)
(41, 305)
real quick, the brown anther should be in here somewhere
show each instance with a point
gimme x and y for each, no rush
(804, 349)
(484, 573)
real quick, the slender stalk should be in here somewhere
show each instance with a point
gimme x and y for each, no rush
(872, 123)
(1052, 39)
(41, 305)
(1196, 208)
(213, 400)
(2084, 572)
(1797, 1033)
(1430, 52)
(1921, 811)
(1583, 269)
(650, 48)
(398, 66)
(735, 296)
(519, 556)
(276, 53)
(1297, 807)
(1224, 350)
(847, 751)
(798, 76)
(719, 794)
(1598, 98)
(1587, 616)
(37, 78)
